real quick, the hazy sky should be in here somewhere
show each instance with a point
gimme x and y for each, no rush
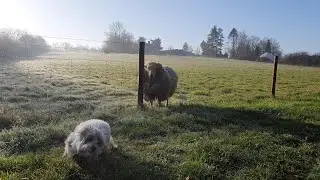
(292, 22)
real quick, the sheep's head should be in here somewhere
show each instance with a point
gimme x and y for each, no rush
(145, 77)
(146, 82)
(152, 69)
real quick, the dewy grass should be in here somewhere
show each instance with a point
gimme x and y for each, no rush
(227, 127)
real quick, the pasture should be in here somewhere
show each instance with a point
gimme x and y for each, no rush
(228, 126)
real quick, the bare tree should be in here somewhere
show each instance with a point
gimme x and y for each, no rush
(255, 49)
(190, 49)
(272, 45)
(116, 29)
(141, 39)
(197, 51)
(119, 40)
(185, 47)
(67, 46)
(15, 43)
(275, 47)
(243, 46)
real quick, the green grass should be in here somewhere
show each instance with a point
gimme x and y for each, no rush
(221, 124)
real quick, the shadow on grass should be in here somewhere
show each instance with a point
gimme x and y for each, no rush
(239, 120)
(119, 165)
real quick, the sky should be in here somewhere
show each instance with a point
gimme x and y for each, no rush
(292, 22)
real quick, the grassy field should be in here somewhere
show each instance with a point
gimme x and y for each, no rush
(221, 124)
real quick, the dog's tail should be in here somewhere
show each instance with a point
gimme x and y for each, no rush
(113, 144)
(64, 154)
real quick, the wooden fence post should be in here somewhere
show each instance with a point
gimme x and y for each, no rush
(141, 73)
(274, 80)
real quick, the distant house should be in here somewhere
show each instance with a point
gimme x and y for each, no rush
(176, 52)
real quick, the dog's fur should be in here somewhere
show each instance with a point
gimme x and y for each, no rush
(160, 82)
(89, 139)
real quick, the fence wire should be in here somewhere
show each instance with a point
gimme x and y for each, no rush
(76, 76)
(59, 83)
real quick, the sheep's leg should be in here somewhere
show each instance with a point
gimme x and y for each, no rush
(151, 103)
(167, 102)
(159, 103)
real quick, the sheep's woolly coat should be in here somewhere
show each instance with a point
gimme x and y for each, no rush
(161, 82)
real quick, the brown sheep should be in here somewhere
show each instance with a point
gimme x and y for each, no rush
(161, 82)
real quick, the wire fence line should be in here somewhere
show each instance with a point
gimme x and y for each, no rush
(106, 58)
(49, 72)
(61, 90)
(67, 38)
(33, 72)
(52, 49)
(36, 45)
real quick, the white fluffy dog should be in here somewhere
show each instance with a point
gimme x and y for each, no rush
(89, 139)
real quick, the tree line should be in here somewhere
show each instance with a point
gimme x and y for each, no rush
(301, 58)
(242, 46)
(119, 40)
(66, 46)
(251, 47)
(15, 43)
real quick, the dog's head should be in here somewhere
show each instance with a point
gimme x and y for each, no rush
(91, 143)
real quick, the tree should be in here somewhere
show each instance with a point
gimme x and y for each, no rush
(233, 36)
(212, 41)
(118, 40)
(154, 46)
(242, 45)
(205, 48)
(170, 48)
(272, 46)
(257, 51)
(81, 47)
(253, 52)
(116, 29)
(94, 49)
(185, 47)
(220, 42)
(67, 46)
(251, 47)
(156, 43)
(190, 49)
(275, 47)
(302, 58)
(213, 45)
(197, 51)
(20, 43)
(268, 46)
(141, 39)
